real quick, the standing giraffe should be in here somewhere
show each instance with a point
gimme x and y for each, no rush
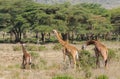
(26, 57)
(69, 50)
(99, 49)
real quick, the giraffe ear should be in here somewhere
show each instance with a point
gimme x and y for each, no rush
(54, 30)
(83, 47)
(21, 42)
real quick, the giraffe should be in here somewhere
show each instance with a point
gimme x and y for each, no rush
(26, 60)
(99, 49)
(69, 50)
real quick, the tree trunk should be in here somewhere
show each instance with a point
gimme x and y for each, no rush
(72, 37)
(65, 36)
(43, 37)
(17, 35)
(37, 37)
(49, 36)
(11, 36)
(24, 35)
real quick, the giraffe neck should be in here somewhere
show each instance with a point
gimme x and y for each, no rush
(91, 42)
(23, 49)
(60, 39)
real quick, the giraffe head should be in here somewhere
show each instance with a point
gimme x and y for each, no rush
(84, 46)
(55, 31)
(22, 43)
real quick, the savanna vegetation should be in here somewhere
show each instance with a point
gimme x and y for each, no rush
(32, 22)
(29, 21)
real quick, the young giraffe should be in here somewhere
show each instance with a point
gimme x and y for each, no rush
(26, 57)
(68, 49)
(99, 49)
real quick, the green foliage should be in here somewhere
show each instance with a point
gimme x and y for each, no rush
(88, 74)
(57, 46)
(32, 48)
(111, 54)
(29, 40)
(102, 77)
(16, 48)
(19, 16)
(41, 48)
(35, 48)
(86, 60)
(62, 77)
(37, 61)
(115, 20)
(34, 54)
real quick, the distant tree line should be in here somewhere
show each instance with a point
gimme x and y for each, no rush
(74, 22)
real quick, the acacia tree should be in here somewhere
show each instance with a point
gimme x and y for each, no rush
(115, 19)
(21, 15)
(16, 24)
(95, 20)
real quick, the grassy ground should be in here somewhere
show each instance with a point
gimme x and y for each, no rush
(48, 63)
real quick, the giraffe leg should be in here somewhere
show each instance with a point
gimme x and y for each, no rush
(28, 63)
(97, 58)
(106, 63)
(74, 60)
(23, 63)
(104, 55)
(69, 59)
(97, 62)
(64, 55)
(105, 60)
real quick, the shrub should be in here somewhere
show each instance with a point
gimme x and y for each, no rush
(36, 48)
(86, 59)
(37, 62)
(40, 48)
(29, 40)
(62, 77)
(57, 46)
(111, 54)
(88, 74)
(16, 48)
(34, 54)
(32, 48)
(102, 77)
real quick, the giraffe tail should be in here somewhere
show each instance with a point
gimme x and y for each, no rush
(77, 55)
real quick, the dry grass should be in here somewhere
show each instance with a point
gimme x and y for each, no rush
(49, 63)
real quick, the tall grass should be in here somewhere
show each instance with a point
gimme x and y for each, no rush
(37, 61)
(57, 46)
(86, 59)
(102, 77)
(62, 77)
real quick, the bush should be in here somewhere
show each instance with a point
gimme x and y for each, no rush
(16, 48)
(88, 74)
(86, 59)
(40, 48)
(102, 77)
(36, 48)
(34, 54)
(37, 62)
(57, 46)
(29, 40)
(32, 48)
(111, 54)
(62, 77)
